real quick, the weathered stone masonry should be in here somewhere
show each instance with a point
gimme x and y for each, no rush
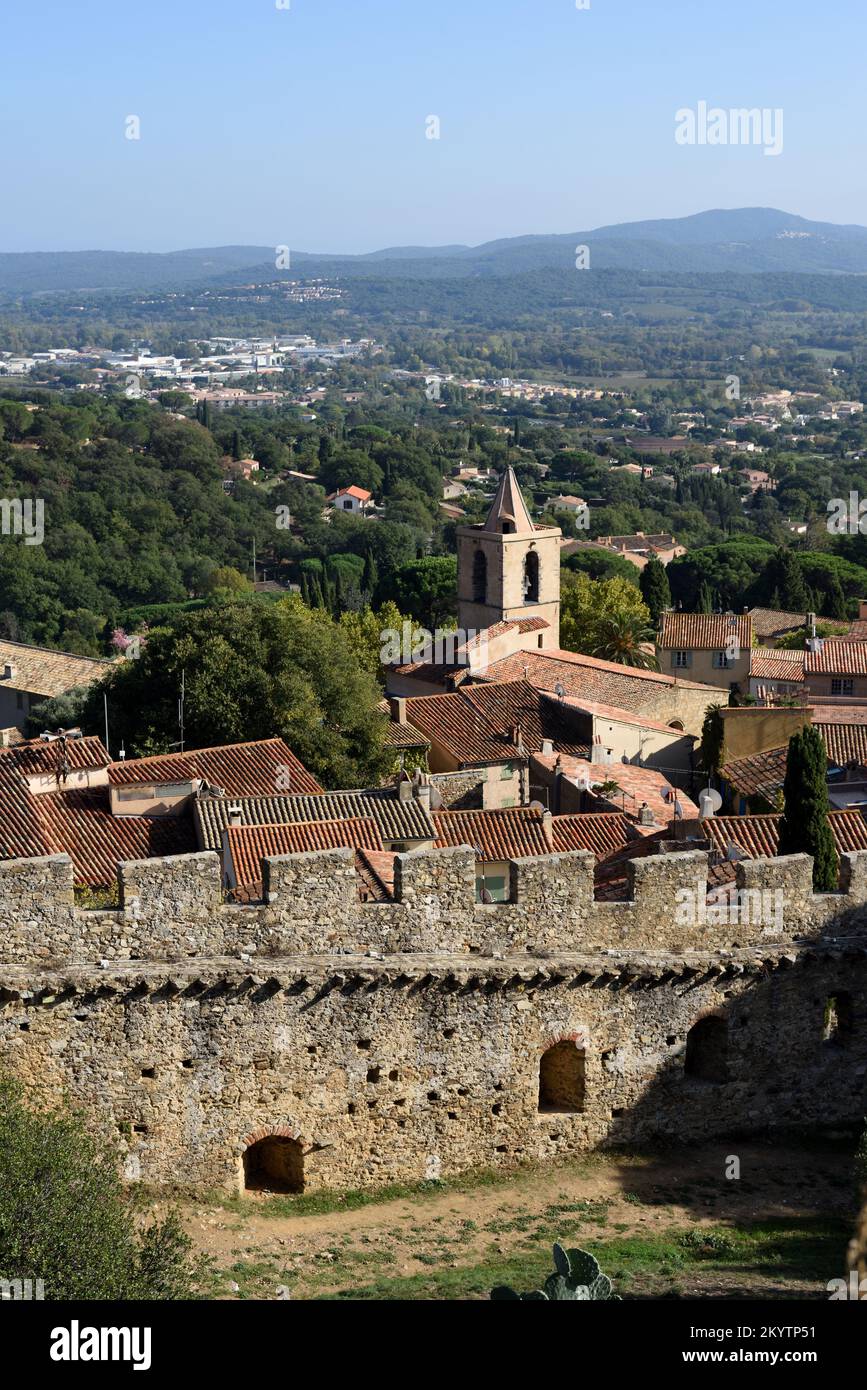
(404, 1040)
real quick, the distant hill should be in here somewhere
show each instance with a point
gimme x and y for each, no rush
(745, 240)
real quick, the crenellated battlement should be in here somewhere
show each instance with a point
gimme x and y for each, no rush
(408, 1039)
(173, 909)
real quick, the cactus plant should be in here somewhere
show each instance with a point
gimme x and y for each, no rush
(576, 1277)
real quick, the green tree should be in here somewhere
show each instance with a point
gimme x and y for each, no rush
(603, 615)
(804, 828)
(625, 638)
(655, 588)
(252, 670)
(712, 739)
(65, 1219)
(426, 589)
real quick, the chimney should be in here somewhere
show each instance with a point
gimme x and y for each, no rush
(404, 787)
(645, 815)
(234, 815)
(547, 828)
(422, 793)
(547, 747)
(397, 708)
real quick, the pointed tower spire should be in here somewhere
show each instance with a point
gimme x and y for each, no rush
(508, 514)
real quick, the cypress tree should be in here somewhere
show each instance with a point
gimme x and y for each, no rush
(804, 828)
(236, 446)
(705, 598)
(834, 604)
(370, 576)
(655, 589)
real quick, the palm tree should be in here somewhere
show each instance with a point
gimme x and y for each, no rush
(624, 638)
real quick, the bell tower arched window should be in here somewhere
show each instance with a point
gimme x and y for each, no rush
(480, 577)
(531, 577)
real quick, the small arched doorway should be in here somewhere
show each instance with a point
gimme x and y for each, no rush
(561, 1079)
(274, 1164)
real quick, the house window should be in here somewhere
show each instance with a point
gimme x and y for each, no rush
(681, 659)
(480, 577)
(707, 1044)
(492, 888)
(561, 1079)
(841, 687)
(506, 772)
(721, 661)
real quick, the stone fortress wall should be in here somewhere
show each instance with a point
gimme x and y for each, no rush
(349, 1043)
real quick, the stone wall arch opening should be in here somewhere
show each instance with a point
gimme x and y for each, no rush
(561, 1079)
(707, 1046)
(273, 1163)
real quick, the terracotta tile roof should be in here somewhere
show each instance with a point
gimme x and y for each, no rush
(838, 658)
(79, 823)
(846, 743)
(587, 677)
(474, 723)
(771, 664)
(398, 821)
(404, 736)
(241, 769)
(774, 622)
(33, 757)
(603, 833)
(857, 632)
(359, 493)
(512, 833)
(757, 837)
(519, 832)
(248, 845)
(705, 631)
(757, 774)
(375, 871)
(45, 672)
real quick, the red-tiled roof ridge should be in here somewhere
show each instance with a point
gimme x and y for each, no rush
(250, 844)
(244, 768)
(704, 631)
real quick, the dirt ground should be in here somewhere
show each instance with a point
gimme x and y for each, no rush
(669, 1224)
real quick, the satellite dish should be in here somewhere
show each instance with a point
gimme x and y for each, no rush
(734, 854)
(559, 690)
(537, 806)
(713, 796)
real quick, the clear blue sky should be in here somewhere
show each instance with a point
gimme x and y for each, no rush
(306, 126)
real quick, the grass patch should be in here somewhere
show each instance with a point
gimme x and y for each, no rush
(801, 1249)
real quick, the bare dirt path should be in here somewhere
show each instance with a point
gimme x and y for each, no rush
(672, 1223)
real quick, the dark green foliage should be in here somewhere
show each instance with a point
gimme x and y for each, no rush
(655, 588)
(253, 670)
(427, 589)
(804, 828)
(64, 1217)
(712, 737)
(577, 1278)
